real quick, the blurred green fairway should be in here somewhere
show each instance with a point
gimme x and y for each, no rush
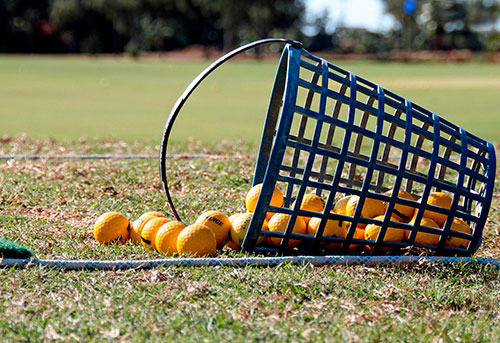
(50, 206)
(73, 97)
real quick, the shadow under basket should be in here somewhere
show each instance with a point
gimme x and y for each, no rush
(331, 133)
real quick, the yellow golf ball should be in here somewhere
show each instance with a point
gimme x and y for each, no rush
(111, 227)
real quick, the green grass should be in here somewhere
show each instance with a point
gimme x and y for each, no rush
(285, 304)
(126, 99)
(50, 206)
(73, 98)
(119, 106)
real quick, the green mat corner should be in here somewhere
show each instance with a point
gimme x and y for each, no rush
(9, 249)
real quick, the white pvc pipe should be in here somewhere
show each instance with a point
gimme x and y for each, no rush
(247, 261)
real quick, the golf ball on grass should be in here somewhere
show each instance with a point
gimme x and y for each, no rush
(112, 227)
(149, 231)
(196, 240)
(138, 225)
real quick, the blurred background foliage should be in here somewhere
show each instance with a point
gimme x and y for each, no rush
(135, 26)
(443, 25)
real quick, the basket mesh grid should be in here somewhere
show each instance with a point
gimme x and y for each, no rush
(332, 133)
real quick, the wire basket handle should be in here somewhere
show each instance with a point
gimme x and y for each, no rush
(188, 91)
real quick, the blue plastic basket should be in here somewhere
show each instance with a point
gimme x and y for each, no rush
(332, 133)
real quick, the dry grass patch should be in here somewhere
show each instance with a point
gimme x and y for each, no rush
(50, 206)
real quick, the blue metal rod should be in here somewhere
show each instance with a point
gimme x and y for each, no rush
(112, 156)
(247, 261)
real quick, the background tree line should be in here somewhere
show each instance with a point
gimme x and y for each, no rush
(112, 26)
(420, 25)
(132, 26)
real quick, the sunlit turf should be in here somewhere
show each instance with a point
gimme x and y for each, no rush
(51, 205)
(129, 99)
(285, 304)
